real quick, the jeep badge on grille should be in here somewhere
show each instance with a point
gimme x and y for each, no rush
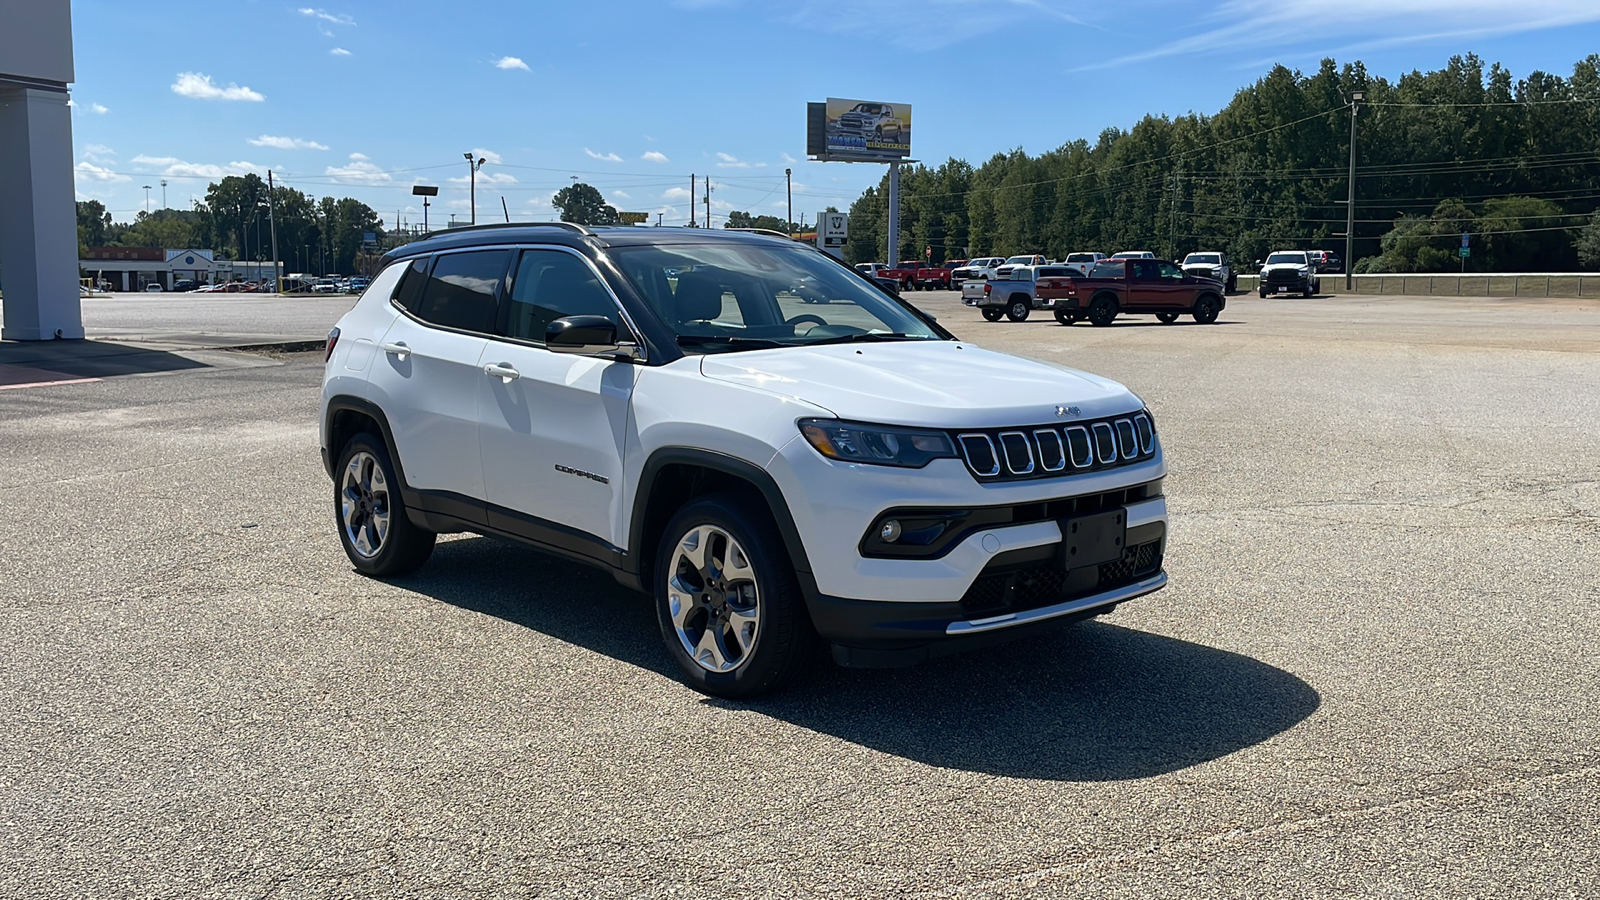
(1065, 411)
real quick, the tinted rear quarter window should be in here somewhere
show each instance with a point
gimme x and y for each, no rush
(408, 293)
(461, 290)
(1107, 269)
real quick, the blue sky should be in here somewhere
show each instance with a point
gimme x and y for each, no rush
(365, 99)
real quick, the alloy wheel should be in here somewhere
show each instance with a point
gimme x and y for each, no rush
(713, 599)
(364, 505)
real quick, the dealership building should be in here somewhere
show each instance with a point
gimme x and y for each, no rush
(136, 268)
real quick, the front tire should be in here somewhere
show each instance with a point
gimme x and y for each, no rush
(1206, 309)
(374, 529)
(727, 599)
(993, 313)
(1017, 310)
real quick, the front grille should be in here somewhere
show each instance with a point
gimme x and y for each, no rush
(1030, 587)
(1018, 454)
(1283, 276)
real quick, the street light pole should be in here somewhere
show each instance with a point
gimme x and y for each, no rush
(472, 173)
(163, 193)
(788, 191)
(1350, 203)
(147, 199)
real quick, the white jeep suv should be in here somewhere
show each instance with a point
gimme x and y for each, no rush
(675, 407)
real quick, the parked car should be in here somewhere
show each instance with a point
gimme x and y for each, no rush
(980, 269)
(1133, 254)
(1020, 290)
(154, 287)
(904, 273)
(702, 441)
(934, 277)
(1140, 287)
(1027, 259)
(1288, 270)
(1083, 261)
(1211, 265)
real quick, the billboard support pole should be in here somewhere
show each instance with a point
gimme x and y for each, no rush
(894, 215)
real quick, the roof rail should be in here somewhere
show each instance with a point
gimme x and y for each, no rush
(763, 231)
(569, 226)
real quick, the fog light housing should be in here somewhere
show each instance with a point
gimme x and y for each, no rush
(890, 532)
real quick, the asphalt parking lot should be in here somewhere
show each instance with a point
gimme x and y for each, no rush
(1374, 673)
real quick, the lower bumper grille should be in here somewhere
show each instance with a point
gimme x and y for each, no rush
(1031, 587)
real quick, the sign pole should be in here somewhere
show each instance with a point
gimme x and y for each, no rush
(894, 215)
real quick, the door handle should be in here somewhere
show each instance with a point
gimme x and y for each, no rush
(398, 348)
(502, 371)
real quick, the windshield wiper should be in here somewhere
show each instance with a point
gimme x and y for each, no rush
(701, 340)
(871, 336)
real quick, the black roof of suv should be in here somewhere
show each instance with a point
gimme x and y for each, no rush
(571, 235)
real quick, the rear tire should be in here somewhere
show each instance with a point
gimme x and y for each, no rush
(1017, 310)
(993, 313)
(1103, 310)
(370, 514)
(727, 599)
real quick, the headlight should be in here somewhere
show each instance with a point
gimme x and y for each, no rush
(880, 445)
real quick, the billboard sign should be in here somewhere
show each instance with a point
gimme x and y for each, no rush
(858, 130)
(633, 218)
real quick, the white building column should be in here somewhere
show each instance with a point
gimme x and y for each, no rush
(38, 218)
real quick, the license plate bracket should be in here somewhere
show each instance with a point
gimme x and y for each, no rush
(1094, 539)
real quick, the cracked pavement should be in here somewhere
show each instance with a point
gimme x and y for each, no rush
(1374, 674)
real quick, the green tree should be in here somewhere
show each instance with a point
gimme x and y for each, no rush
(737, 219)
(582, 204)
(1589, 243)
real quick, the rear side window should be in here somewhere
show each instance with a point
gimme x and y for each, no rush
(1111, 268)
(461, 290)
(551, 284)
(409, 292)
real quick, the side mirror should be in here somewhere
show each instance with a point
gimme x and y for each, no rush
(585, 335)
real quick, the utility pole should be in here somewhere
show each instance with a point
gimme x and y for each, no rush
(472, 172)
(658, 220)
(163, 193)
(1350, 204)
(273, 222)
(1172, 218)
(894, 215)
(788, 190)
(708, 201)
(691, 200)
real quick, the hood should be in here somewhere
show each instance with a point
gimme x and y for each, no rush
(936, 384)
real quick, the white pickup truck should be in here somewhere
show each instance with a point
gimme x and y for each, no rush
(980, 269)
(1083, 261)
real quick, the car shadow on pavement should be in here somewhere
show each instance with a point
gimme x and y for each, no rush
(1088, 701)
(23, 362)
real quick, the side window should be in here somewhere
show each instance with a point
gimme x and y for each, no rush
(409, 292)
(1170, 271)
(1146, 270)
(551, 284)
(461, 291)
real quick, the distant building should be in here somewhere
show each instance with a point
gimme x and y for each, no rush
(135, 268)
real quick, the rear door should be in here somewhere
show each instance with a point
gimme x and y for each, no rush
(428, 376)
(1144, 287)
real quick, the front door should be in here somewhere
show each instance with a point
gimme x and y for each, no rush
(553, 426)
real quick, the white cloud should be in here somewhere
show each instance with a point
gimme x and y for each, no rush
(606, 157)
(359, 156)
(200, 87)
(676, 193)
(623, 194)
(89, 171)
(729, 161)
(787, 158)
(324, 15)
(98, 152)
(359, 171)
(653, 156)
(143, 160)
(488, 156)
(99, 110)
(511, 62)
(487, 177)
(339, 51)
(286, 143)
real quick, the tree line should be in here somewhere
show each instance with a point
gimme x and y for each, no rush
(323, 234)
(1515, 163)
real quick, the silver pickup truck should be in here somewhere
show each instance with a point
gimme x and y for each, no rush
(1017, 290)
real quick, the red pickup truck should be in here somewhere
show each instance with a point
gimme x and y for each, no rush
(1140, 287)
(904, 272)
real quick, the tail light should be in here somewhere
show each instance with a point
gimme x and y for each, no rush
(987, 287)
(333, 341)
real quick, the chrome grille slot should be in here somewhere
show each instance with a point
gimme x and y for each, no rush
(1052, 453)
(1018, 451)
(980, 454)
(1081, 447)
(1147, 433)
(1105, 442)
(1127, 438)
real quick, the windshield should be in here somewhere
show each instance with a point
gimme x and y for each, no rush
(721, 297)
(1211, 259)
(1286, 259)
(1080, 257)
(1019, 260)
